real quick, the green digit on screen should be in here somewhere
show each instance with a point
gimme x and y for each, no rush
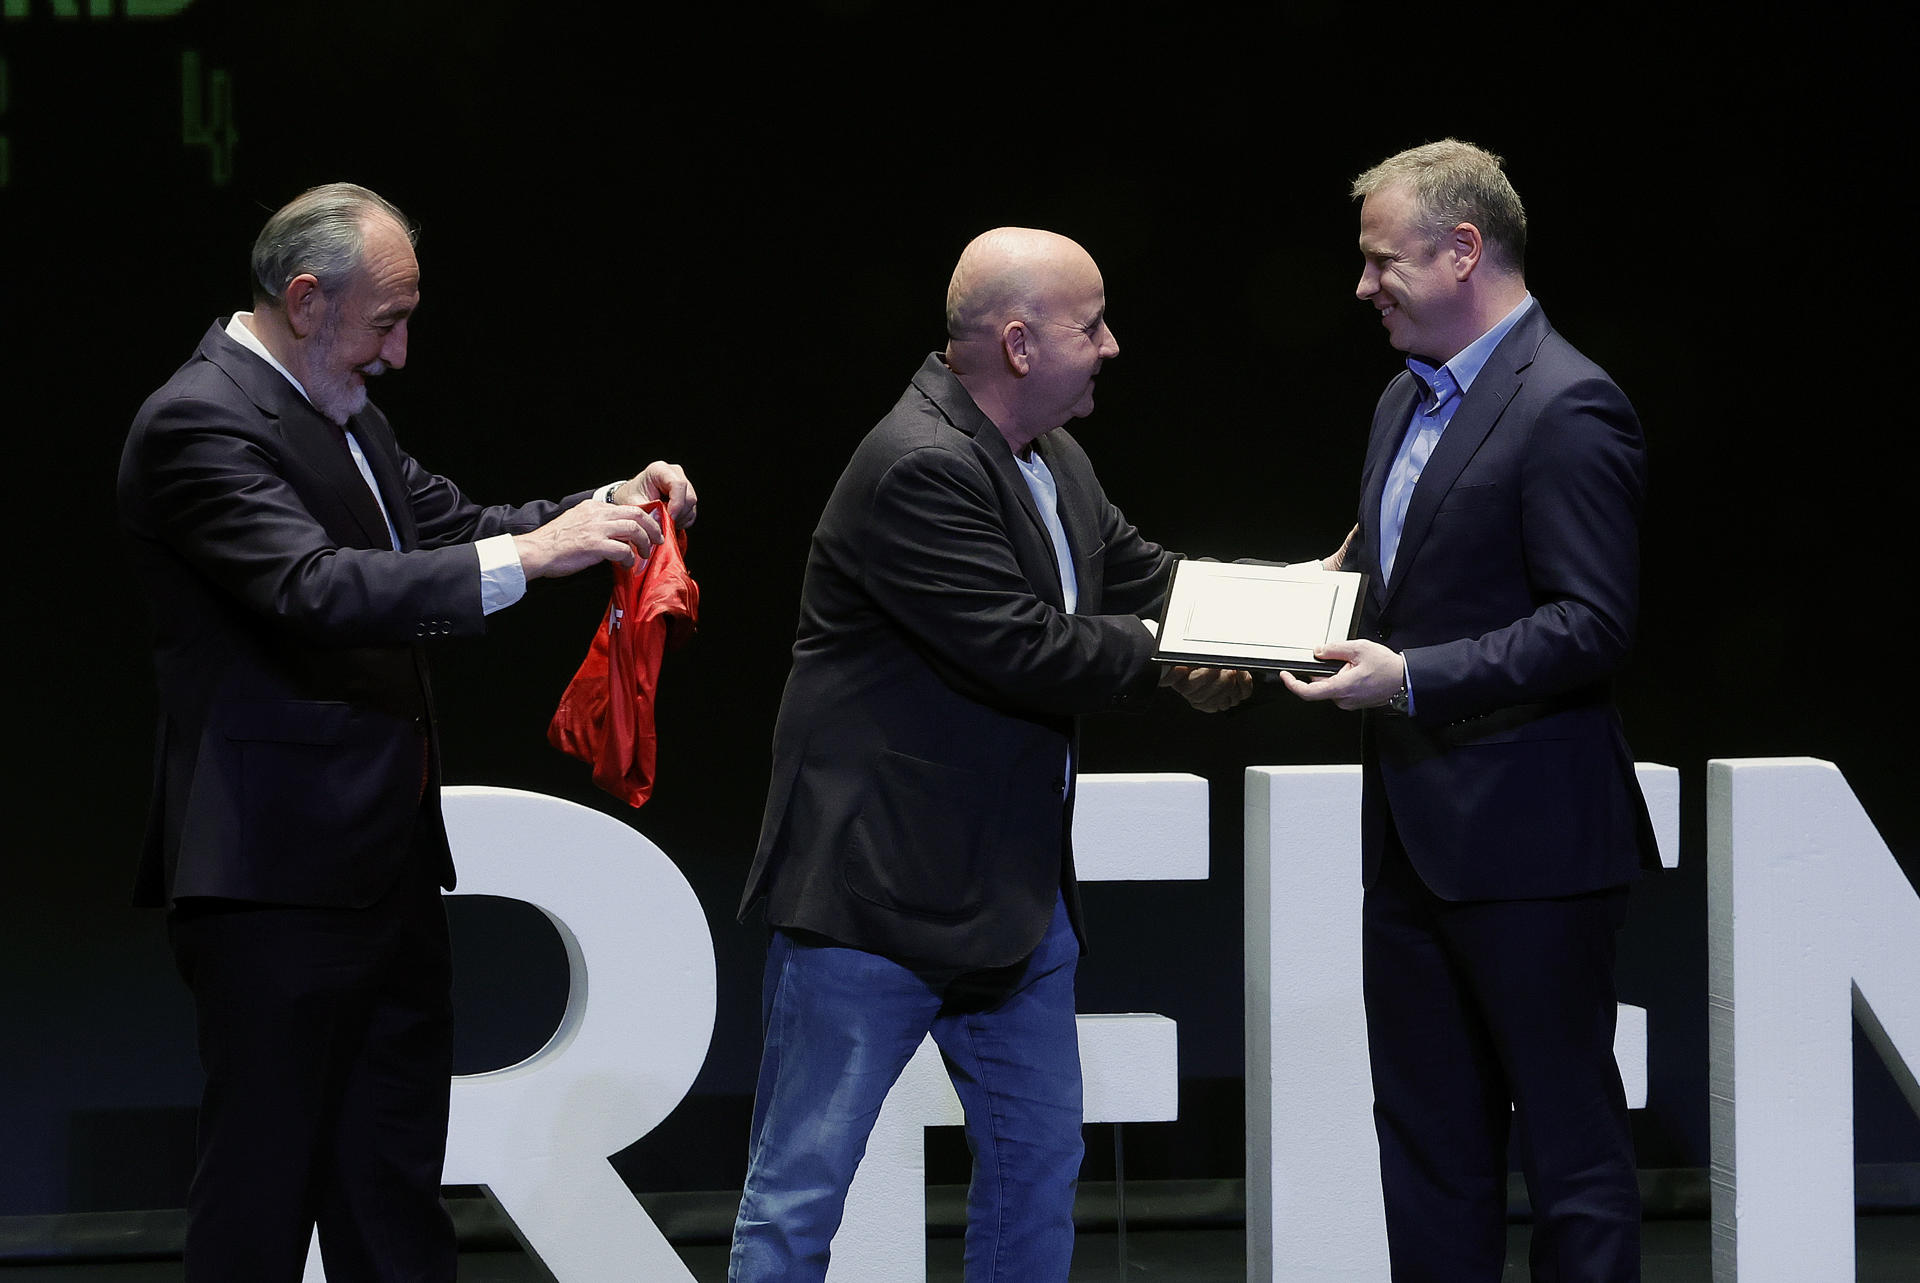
(206, 115)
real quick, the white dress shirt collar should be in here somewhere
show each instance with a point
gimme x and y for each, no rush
(240, 330)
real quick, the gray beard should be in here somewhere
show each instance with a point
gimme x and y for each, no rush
(338, 401)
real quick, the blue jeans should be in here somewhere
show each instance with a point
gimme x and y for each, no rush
(840, 1025)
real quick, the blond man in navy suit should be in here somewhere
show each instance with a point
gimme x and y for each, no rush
(1499, 522)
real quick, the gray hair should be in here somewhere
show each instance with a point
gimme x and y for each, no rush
(319, 232)
(1452, 183)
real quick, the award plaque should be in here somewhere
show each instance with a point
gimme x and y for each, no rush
(1245, 615)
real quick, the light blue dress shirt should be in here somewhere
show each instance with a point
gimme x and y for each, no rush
(1046, 497)
(1444, 386)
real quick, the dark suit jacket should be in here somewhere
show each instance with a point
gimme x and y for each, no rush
(921, 801)
(1514, 596)
(296, 724)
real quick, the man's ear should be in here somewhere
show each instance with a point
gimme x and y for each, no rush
(1465, 245)
(305, 305)
(1013, 346)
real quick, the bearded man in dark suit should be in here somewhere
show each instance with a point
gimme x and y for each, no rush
(297, 560)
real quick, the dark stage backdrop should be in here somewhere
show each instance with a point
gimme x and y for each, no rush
(725, 240)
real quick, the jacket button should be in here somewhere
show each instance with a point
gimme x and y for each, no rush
(1386, 631)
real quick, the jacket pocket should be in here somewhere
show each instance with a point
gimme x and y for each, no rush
(1465, 498)
(319, 786)
(285, 721)
(915, 844)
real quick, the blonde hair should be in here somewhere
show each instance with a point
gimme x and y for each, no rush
(1452, 183)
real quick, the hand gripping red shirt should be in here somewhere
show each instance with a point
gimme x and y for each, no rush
(606, 714)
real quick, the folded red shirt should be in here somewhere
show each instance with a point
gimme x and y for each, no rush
(605, 717)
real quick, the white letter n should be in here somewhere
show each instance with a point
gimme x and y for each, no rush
(1805, 905)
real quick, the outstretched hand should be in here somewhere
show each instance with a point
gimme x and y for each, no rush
(1211, 690)
(1372, 675)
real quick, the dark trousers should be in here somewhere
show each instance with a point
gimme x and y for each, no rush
(1482, 1012)
(326, 1036)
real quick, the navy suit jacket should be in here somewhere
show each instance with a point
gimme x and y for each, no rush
(1514, 598)
(921, 803)
(296, 760)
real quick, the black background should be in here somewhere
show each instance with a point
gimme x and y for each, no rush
(724, 238)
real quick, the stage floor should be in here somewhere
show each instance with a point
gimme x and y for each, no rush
(1887, 1251)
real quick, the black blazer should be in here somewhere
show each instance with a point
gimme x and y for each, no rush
(1514, 596)
(921, 800)
(296, 760)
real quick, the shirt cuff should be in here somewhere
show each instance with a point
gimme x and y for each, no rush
(502, 579)
(1406, 677)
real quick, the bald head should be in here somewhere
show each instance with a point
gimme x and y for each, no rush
(1027, 329)
(1004, 275)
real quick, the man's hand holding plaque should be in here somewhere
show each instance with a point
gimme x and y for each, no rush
(1258, 617)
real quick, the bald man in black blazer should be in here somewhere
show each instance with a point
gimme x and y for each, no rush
(970, 592)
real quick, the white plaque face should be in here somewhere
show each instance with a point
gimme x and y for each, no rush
(1253, 616)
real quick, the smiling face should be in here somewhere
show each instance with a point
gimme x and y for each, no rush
(1027, 330)
(1416, 287)
(1068, 341)
(362, 330)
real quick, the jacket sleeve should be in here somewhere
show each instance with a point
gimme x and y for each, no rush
(208, 481)
(943, 567)
(446, 516)
(1582, 485)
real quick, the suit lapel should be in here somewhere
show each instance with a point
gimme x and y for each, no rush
(1003, 463)
(383, 457)
(351, 514)
(1036, 548)
(1032, 545)
(1480, 409)
(315, 439)
(1076, 517)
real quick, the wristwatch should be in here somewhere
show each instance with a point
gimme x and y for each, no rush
(1398, 704)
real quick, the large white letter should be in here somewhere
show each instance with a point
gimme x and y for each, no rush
(1811, 920)
(538, 1134)
(1313, 1176)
